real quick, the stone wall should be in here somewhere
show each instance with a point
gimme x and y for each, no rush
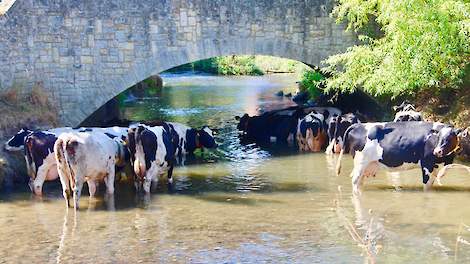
(86, 51)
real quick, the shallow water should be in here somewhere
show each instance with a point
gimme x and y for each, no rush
(242, 203)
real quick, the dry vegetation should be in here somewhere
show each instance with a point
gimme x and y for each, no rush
(449, 106)
(25, 108)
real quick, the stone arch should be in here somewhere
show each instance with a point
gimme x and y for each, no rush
(205, 49)
(86, 52)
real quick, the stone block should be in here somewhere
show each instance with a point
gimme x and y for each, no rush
(66, 60)
(86, 59)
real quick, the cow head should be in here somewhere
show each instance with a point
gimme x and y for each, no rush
(16, 143)
(312, 131)
(342, 124)
(404, 106)
(331, 126)
(206, 138)
(448, 141)
(242, 122)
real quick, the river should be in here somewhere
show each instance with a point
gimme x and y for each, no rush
(242, 203)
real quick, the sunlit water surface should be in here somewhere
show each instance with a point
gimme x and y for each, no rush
(242, 203)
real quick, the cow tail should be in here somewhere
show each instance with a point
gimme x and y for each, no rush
(60, 156)
(63, 160)
(59, 151)
(70, 147)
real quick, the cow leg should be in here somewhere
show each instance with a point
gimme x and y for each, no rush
(109, 198)
(429, 174)
(290, 140)
(299, 142)
(360, 164)
(92, 191)
(170, 175)
(148, 183)
(77, 191)
(329, 149)
(64, 181)
(91, 188)
(137, 185)
(357, 180)
(110, 179)
(40, 178)
(428, 179)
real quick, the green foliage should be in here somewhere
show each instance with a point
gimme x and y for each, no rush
(423, 44)
(243, 65)
(238, 65)
(208, 65)
(152, 86)
(312, 82)
(270, 64)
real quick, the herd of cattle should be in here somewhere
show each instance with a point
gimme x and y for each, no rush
(76, 155)
(406, 143)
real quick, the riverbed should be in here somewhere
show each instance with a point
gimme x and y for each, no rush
(242, 203)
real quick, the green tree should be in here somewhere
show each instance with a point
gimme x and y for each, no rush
(417, 44)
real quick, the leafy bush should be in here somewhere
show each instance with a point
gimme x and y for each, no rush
(238, 65)
(312, 81)
(421, 44)
(207, 65)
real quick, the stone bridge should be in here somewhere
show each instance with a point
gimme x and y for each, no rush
(85, 52)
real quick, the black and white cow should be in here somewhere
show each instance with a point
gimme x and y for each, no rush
(399, 145)
(16, 143)
(269, 127)
(39, 152)
(190, 139)
(184, 138)
(406, 112)
(87, 156)
(341, 124)
(152, 154)
(312, 132)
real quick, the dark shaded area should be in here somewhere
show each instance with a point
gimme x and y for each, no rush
(110, 113)
(107, 113)
(360, 103)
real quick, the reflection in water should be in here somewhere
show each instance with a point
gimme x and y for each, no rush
(242, 203)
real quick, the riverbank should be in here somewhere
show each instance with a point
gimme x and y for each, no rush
(21, 108)
(244, 65)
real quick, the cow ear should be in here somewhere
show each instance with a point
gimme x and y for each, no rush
(464, 133)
